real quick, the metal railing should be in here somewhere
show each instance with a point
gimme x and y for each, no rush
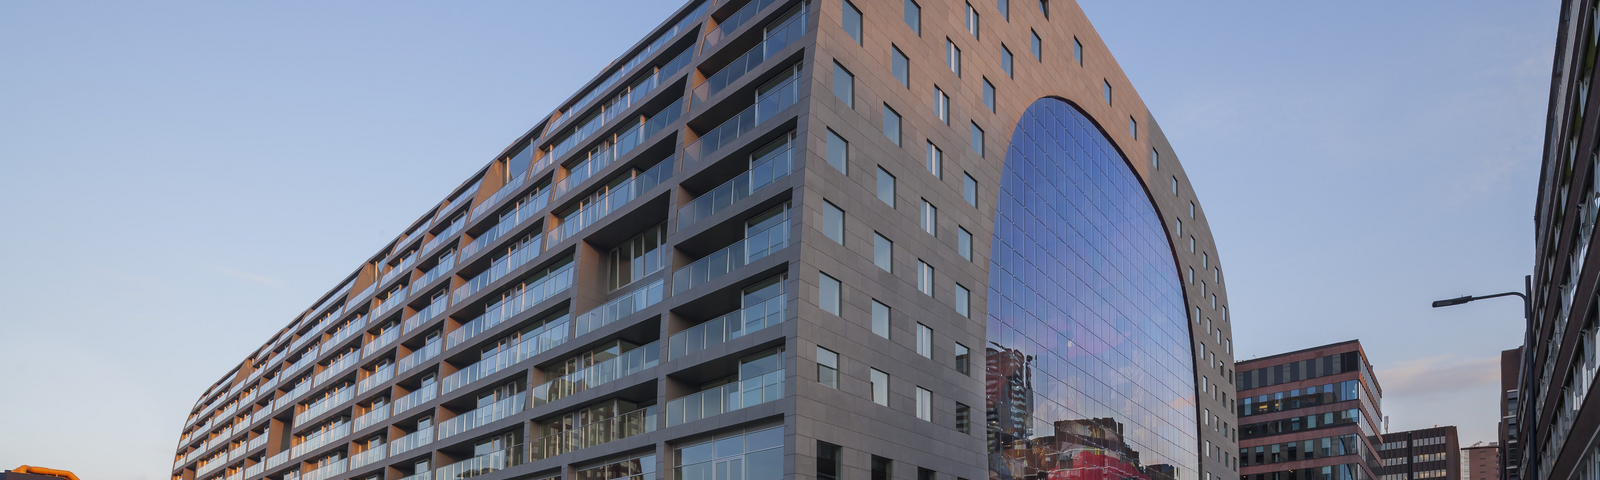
(421, 355)
(545, 337)
(501, 266)
(611, 201)
(763, 172)
(773, 101)
(413, 399)
(777, 38)
(410, 442)
(484, 415)
(599, 432)
(728, 327)
(627, 363)
(634, 301)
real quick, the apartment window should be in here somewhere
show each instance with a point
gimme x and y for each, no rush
(1077, 50)
(891, 124)
(977, 139)
(844, 85)
(924, 278)
(930, 218)
(941, 105)
(1155, 159)
(924, 341)
(963, 301)
(1108, 91)
(988, 94)
(830, 461)
(1205, 259)
(924, 404)
(852, 21)
(1133, 127)
(964, 243)
(1037, 46)
(1191, 209)
(1191, 244)
(832, 222)
(952, 56)
(838, 152)
(1174, 184)
(1044, 7)
(1191, 275)
(1180, 227)
(963, 418)
(880, 396)
(886, 187)
(935, 161)
(882, 252)
(963, 359)
(828, 293)
(880, 319)
(969, 189)
(1005, 60)
(972, 21)
(914, 17)
(1004, 6)
(827, 367)
(901, 66)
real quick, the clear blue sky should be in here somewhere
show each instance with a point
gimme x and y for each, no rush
(179, 179)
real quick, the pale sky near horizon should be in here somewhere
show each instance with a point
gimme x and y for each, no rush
(180, 178)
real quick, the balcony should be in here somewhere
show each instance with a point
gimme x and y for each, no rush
(600, 432)
(320, 439)
(322, 406)
(481, 465)
(461, 200)
(314, 333)
(365, 294)
(256, 442)
(438, 271)
(769, 101)
(337, 367)
(372, 455)
(327, 471)
(638, 58)
(388, 337)
(382, 374)
(416, 358)
(485, 415)
(533, 343)
(627, 363)
(254, 470)
(278, 459)
(425, 314)
(235, 453)
(498, 195)
(741, 253)
(411, 442)
(604, 204)
(296, 392)
(413, 399)
(379, 413)
(446, 234)
(517, 257)
(634, 301)
(726, 27)
(509, 221)
(726, 398)
(553, 283)
(764, 171)
(424, 475)
(237, 475)
(403, 267)
(728, 327)
(777, 38)
(395, 299)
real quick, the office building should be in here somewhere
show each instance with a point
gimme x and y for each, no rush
(1510, 444)
(1480, 461)
(771, 241)
(1310, 414)
(1421, 454)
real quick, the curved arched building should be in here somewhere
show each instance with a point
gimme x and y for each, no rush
(864, 240)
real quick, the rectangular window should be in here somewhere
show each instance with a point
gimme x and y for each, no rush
(924, 341)
(882, 252)
(963, 359)
(935, 161)
(924, 278)
(880, 319)
(924, 474)
(827, 367)
(1037, 46)
(1005, 60)
(1155, 159)
(963, 301)
(972, 21)
(886, 187)
(977, 139)
(1108, 92)
(988, 94)
(963, 418)
(838, 152)
(891, 124)
(1077, 50)
(941, 105)
(832, 222)
(969, 189)
(1044, 7)
(914, 17)
(952, 56)
(1004, 6)
(924, 404)
(851, 18)
(844, 85)
(901, 66)
(828, 293)
(929, 218)
(880, 396)
(830, 461)
(1133, 127)
(964, 243)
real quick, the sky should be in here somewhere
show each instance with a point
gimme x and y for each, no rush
(179, 179)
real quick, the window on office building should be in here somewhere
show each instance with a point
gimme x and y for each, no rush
(880, 319)
(880, 388)
(914, 16)
(886, 187)
(844, 85)
(828, 293)
(882, 252)
(838, 152)
(832, 222)
(901, 66)
(827, 367)
(851, 18)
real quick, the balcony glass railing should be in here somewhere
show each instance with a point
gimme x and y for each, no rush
(719, 263)
(533, 343)
(555, 282)
(446, 234)
(337, 368)
(763, 172)
(424, 475)
(372, 455)
(382, 374)
(256, 442)
(295, 393)
(726, 398)
(278, 459)
(768, 104)
(509, 221)
(254, 470)
(378, 414)
(612, 200)
(380, 341)
(484, 415)
(413, 399)
(425, 314)
(777, 39)
(726, 27)
(498, 195)
(661, 41)
(361, 298)
(411, 442)
(502, 266)
(320, 439)
(417, 357)
(439, 270)
(322, 406)
(600, 432)
(394, 300)
(627, 363)
(481, 465)
(403, 267)
(237, 475)
(728, 327)
(314, 333)
(616, 309)
(461, 200)
(326, 471)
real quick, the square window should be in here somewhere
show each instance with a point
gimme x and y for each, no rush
(924, 341)
(963, 420)
(977, 139)
(924, 278)
(882, 252)
(891, 124)
(851, 20)
(935, 161)
(880, 396)
(901, 66)
(1108, 92)
(988, 94)
(886, 187)
(972, 21)
(1037, 46)
(828, 293)
(1004, 6)
(1077, 50)
(963, 359)
(952, 56)
(1005, 60)
(964, 243)
(963, 301)
(969, 189)
(914, 16)
(941, 105)
(844, 85)
(832, 222)
(838, 152)
(880, 319)
(924, 404)
(929, 218)
(827, 367)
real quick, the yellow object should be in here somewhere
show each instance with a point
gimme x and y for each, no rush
(46, 471)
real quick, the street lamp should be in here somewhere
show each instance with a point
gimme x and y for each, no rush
(1525, 378)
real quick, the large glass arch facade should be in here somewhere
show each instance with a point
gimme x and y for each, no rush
(1090, 373)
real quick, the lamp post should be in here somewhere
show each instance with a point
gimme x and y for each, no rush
(1525, 379)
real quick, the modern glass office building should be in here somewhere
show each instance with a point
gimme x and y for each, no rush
(870, 239)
